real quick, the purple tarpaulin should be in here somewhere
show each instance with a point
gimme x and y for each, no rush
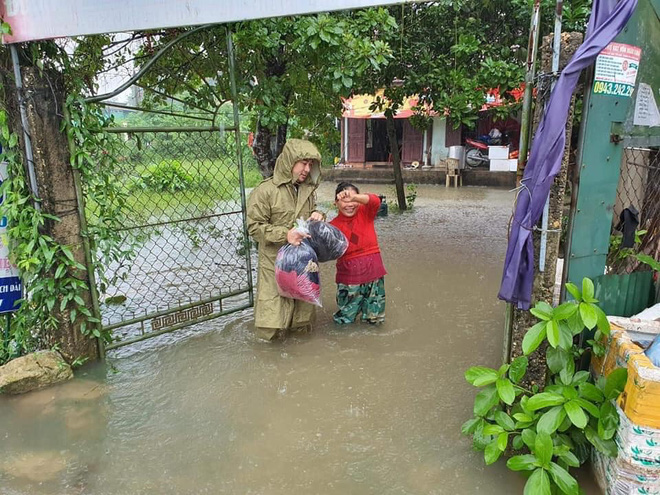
(607, 20)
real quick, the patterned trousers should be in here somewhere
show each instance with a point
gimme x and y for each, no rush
(368, 299)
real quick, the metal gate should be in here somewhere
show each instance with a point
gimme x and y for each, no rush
(182, 255)
(185, 243)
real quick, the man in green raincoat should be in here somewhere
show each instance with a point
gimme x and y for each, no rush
(272, 210)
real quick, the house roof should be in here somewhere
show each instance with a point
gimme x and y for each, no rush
(357, 107)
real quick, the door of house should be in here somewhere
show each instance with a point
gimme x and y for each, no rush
(413, 143)
(356, 140)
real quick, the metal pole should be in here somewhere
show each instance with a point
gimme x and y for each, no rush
(556, 50)
(239, 158)
(525, 125)
(29, 157)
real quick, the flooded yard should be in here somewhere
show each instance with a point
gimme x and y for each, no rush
(345, 410)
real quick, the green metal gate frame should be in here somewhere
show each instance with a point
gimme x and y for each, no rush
(606, 130)
(249, 289)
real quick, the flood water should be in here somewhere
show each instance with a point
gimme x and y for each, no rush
(345, 410)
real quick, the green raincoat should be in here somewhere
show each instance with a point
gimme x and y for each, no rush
(272, 210)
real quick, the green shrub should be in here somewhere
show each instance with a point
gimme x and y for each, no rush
(168, 176)
(554, 429)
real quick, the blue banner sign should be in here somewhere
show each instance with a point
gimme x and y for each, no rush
(11, 288)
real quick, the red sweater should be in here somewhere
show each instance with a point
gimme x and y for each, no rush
(362, 262)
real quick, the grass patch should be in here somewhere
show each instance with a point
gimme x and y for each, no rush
(174, 189)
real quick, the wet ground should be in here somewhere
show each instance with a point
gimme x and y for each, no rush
(345, 410)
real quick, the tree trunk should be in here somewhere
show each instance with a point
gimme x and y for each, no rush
(45, 95)
(396, 159)
(268, 146)
(544, 282)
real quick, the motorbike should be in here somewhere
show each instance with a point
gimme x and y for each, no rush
(476, 153)
(476, 150)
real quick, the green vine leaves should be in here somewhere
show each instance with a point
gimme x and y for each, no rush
(56, 284)
(556, 428)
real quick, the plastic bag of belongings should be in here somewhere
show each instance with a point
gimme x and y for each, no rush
(297, 267)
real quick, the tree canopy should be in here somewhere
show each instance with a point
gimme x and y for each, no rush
(292, 71)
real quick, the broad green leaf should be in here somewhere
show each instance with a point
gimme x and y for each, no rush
(607, 447)
(550, 420)
(470, 426)
(480, 376)
(492, 452)
(589, 407)
(544, 399)
(521, 463)
(566, 375)
(542, 310)
(543, 448)
(505, 390)
(492, 430)
(580, 377)
(479, 440)
(575, 323)
(615, 383)
(502, 441)
(529, 438)
(565, 336)
(565, 425)
(565, 310)
(588, 290)
(517, 442)
(570, 459)
(552, 330)
(588, 315)
(534, 337)
(590, 392)
(602, 322)
(576, 414)
(649, 260)
(569, 392)
(608, 421)
(538, 483)
(485, 400)
(518, 368)
(556, 358)
(504, 420)
(502, 370)
(563, 480)
(574, 291)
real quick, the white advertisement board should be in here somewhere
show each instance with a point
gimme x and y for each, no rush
(46, 19)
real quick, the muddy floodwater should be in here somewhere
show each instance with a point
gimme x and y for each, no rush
(345, 410)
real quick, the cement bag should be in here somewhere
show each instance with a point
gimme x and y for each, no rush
(327, 240)
(297, 272)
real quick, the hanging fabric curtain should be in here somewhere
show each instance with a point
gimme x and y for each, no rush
(607, 20)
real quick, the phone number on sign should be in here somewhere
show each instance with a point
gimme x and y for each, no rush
(608, 88)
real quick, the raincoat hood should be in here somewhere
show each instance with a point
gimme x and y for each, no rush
(295, 150)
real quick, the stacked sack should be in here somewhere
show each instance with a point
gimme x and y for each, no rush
(636, 469)
(297, 267)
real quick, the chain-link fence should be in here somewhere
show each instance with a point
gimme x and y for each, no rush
(183, 242)
(635, 240)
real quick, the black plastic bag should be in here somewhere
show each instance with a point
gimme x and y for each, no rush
(327, 240)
